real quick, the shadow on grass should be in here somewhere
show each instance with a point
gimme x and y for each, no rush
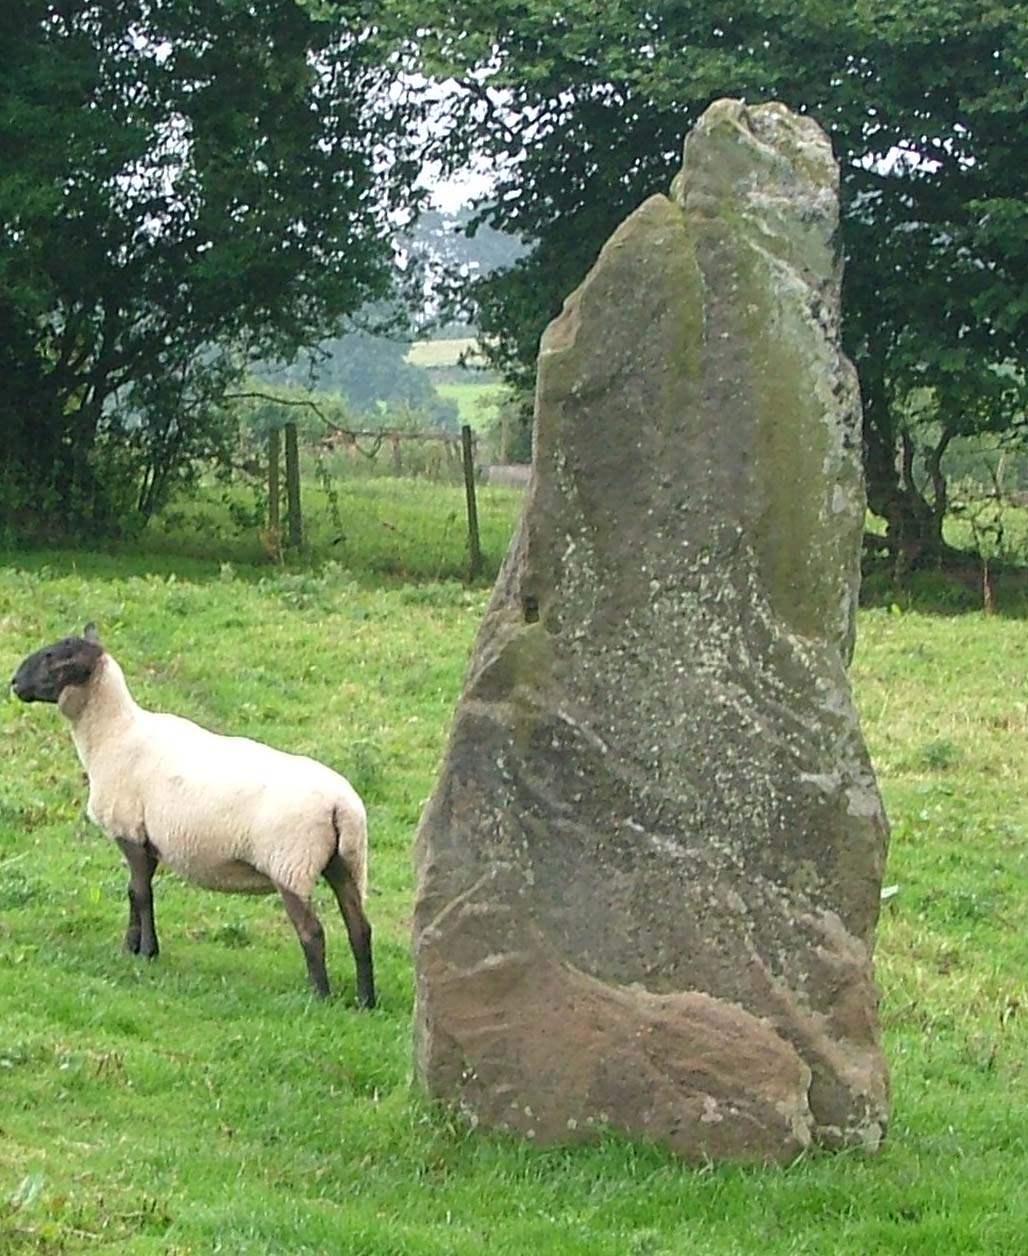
(119, 560)
(956, 588)
(200, 562)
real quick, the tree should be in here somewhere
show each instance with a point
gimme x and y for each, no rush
(185, 185)
(452, 250)
(581, 108)
(370, 372)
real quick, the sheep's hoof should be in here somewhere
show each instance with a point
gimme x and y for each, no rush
(132, 940)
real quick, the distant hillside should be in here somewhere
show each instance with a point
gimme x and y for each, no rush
(441, 240)
(374, 373)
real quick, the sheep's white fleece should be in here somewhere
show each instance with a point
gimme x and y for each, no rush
(226, 812)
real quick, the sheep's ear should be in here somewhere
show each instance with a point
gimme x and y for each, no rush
(90, 632)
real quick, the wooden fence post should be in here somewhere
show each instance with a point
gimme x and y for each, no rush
(274, 512)
(294, 515)
(474, 544)
(505, 433)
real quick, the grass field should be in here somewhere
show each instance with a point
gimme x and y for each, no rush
(440, 352)
(205, 1103)
(477, 401)
(476, 397)
(379, 528)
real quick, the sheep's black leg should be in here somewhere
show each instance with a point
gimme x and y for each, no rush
(134, 932)
(357, 926)
(141, 934)
(312, 938)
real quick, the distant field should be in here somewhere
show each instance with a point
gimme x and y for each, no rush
(477, 403)
(440, 352)
(476, 394)
(206, 1103)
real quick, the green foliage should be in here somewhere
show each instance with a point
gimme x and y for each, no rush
(261, 406)
(477, 402)
(938, 755)
(185, 185)
(511, 428)
(373, 378)
(581, 109)
(206, 1102)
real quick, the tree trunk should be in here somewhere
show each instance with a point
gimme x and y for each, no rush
(913, 525)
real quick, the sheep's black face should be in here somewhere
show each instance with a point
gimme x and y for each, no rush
(44, 675)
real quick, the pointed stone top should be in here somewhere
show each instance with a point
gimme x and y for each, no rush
(767, 166)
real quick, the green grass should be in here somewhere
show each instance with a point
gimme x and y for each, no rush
(475, 395)
(477, 401)
(377, 526)
(205, 1103)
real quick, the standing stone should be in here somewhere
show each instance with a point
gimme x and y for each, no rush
(648, 877)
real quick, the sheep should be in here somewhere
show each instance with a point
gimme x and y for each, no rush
(227, 813)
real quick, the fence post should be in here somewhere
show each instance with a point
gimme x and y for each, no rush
(505, 433)
(294, 516)
(274, 512)
(474, 544)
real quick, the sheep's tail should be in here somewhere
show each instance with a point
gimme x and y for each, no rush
(354, 854)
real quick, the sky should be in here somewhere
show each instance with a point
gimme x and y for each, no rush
(449, 195)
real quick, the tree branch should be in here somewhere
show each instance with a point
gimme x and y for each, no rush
(352, 435)
(283, 401)
(940, 498)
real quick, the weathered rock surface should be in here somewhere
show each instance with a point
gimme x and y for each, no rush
(648, 878)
